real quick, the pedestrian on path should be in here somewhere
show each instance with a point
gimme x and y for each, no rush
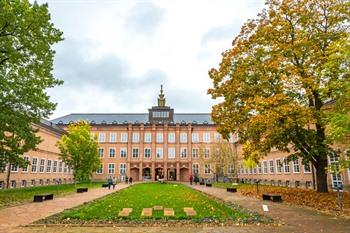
(110, 182)
(114, 182)
(191, 179)
(130, 180)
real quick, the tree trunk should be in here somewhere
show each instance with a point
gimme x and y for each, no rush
(321, 175)
(8, 176)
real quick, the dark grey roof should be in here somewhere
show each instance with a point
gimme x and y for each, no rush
(123, 118)
(51, 126)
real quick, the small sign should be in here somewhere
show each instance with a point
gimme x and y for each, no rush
(265, 208)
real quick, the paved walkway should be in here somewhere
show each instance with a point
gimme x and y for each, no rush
(295, 219)
(13, 217)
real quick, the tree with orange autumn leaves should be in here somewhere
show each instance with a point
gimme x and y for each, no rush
(276, 79)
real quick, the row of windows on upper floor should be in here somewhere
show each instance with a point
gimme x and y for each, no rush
(196, 153)
(41, 166)
(34, 182)
(206, 137)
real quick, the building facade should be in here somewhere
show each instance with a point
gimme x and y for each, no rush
(45, 166)
(148, 146)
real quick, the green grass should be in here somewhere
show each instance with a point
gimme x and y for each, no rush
(229, 185)
(147, 195)
(10, 197)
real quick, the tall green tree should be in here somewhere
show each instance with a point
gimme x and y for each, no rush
(26, 60)
(274, 81)
(79, 151)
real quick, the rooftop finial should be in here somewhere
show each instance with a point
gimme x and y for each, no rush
(161, 99)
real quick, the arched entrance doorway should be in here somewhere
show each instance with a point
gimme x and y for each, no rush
(146, 173)
(134, 173)
(171, 174)
(159, 173)
(184, 174)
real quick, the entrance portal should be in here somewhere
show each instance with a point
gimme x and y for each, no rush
(159, 173)
(171, 174)
(146, 174)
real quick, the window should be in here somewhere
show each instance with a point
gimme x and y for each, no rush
(42, 165)
(101, 137)
(147, 153)
(14, 168)
(25, 169)
(111, 169)
(195, 153)
(217, 137)
(272, 166)
(60, 167)
(13, 184)
(33, 182)
(159, 153)
(135, 153)
(308, 184)
(100, 152)
(265, 167)
(286, 166)
(278, 166)
(135, 137)
(297, 184)
(336, 178)
(111, 152)
(296, 166)
(92, 136)
(287, 182)
(48, 166)
(99, 170)
(24, 183)
(123, 152)
(124, 137)
(160, 114)
(2, 184)
(206, 137)
(122, 169)
(230, 169)
(206, 153)
(207, 168)
(171, 153)
(54, 169)
(183, 152)
(259, 168)
(148, 137)
(159, 137)
(112, 137)
(171, 137)
(195, 169)
(307, 168)
(183, 137)
(195, 137)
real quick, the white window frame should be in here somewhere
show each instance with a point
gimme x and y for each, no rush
(195, 168)
(60, 167)
(135, 137)
(122, 168)
(111, 155)
(183, 152)
(171, 152)
(159, 153)
(148, 137)
(14, 168)
(42, 166)
(195, 153)
(55, 166)
(135, 153)
(159, 138)
(48, 166)
(207, 169)
(206, 137)
(296, 165)
(101, 137)
(279, 166)
(122, 151)
(100, 169)
(307, 172)
(272, 162)
(206, 153)
(171, 137)
(259, 167)
(183, 137)
(111, 167)
(150, 153)
(195, 137)
(101, 155)
(124, 137)
(112, 137)
(27, 159)
(265, 168)
(286, 165)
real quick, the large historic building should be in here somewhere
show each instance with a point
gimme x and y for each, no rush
(45, 166)
(159, 144)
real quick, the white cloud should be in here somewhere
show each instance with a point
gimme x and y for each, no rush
(175, 41)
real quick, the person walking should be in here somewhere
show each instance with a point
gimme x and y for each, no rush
(126, 179)
(114, 182)
(110, 182)
(191, 179)
(130, 180)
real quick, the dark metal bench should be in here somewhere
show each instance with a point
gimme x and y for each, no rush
(232, 190)
(208, 185)
(104, 185)
(82, 190)
(201, 183)
(272, 197)
(43, 197)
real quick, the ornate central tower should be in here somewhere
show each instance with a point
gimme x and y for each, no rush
(161, 114)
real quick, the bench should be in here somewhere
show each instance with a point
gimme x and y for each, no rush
(232, 190)
(162, 181)
(201, 183)
(104, 185)
(43, 197)
(208, 185)
(272, 197)
(82, 190)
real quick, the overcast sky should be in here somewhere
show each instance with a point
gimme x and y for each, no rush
(116, 54)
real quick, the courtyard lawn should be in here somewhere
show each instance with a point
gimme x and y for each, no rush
(10, 197)
(147, 195)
